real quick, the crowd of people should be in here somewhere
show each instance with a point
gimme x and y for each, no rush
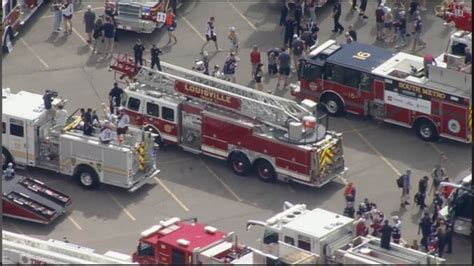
(436, 231)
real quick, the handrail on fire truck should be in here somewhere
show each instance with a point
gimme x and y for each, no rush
(273, 110)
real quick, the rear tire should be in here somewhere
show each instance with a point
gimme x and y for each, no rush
(87, 177)
(265, 171)
(6, 158)
(426, 130)
(240, 163)
(332, 104)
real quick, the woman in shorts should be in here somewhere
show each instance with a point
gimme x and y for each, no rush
(258, 77)
(68, 10)
(387, 25)
(171, 25)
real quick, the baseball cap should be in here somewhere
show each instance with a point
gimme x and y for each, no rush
(89, 7)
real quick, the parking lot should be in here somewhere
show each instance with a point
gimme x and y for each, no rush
(198, 186)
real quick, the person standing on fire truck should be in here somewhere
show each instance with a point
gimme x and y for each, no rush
(115, 95)
(122, 124)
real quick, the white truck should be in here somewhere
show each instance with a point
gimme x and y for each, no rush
(31, 138)
(331, 236)
(20, 249)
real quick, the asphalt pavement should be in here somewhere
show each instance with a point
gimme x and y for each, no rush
(197, 186)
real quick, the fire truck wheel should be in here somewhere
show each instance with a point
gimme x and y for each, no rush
(87, 177)
(6, 158)
(8, 42)
(240, 163)
(332, 104)
(425, 130)
(265, 171)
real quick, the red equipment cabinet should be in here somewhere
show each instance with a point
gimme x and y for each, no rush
(371, 81)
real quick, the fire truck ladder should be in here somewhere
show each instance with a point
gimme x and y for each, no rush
(270, 109)
(23, 249)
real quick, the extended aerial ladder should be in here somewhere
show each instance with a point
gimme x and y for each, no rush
(21, 249)
(269, 109)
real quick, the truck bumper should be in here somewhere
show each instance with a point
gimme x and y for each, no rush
(147, 178)
(136, 25)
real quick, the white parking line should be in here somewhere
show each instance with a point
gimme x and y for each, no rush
(375, 150)
(171, 194)
(74, 222)
(193, 28)
(82, 38)
(34, 53)
(121, 206)
(242, 15)
(222, 182)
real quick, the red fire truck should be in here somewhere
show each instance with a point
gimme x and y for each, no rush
(371, 81)
(460, 15)
(14, 15)
(141, 16)
(277, 137)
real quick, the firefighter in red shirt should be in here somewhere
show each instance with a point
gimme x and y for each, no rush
(255, 60)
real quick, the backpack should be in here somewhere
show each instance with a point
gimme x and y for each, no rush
(400, 182)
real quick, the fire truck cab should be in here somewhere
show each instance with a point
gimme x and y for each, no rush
(142, 16)
(31, 138)
(14, 15)
(434, 100)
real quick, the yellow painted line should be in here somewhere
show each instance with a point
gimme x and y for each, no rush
(34, 53)
(376, 151)
(171, 194)
(242, 15)
(75, 12)
(222, 182)
(441, 153)
(193, 28)
(74, 222)
(121, 206)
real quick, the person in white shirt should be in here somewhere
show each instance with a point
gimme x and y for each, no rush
(68, 10)
(105, 133)
(61, 116)
(122, 124)
(211, 34)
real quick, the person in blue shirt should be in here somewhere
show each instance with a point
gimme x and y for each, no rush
(405, 189)
(108, 30)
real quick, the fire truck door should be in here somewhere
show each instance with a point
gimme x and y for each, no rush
(17, 140)
(377, 105)
(191, 130)
(453, 120)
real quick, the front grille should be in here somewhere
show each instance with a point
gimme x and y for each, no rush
(130, 11)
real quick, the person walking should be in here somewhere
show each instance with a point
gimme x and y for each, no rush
(138, 49)
(349, 194)
(211, 34)
(386, 232)
(68, 11)
(362, 8)
(255, 59)
(89, 20)
(424, 226)
(272, 56)
(387, 25)
(396, 230)
(155, 58)
(284, 65)
(421, 194)
(115, 97)
(336, 14)
(418, 26)
(109, 33)
(258, 77)
(405, 189)
(402, 30)
(413, 12)
(97, 35)
(352, 33)
(234, 41)
(283, 14)
(354, 5)
(171, 24)
(379, 21)
(290, 25)
(58, 14)
(438, 173)
(230, 65)
(297, 51)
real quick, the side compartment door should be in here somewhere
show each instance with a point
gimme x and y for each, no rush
(170, 119)
(453, 120)
(191, 128)
(377, 106)
(17, 140)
